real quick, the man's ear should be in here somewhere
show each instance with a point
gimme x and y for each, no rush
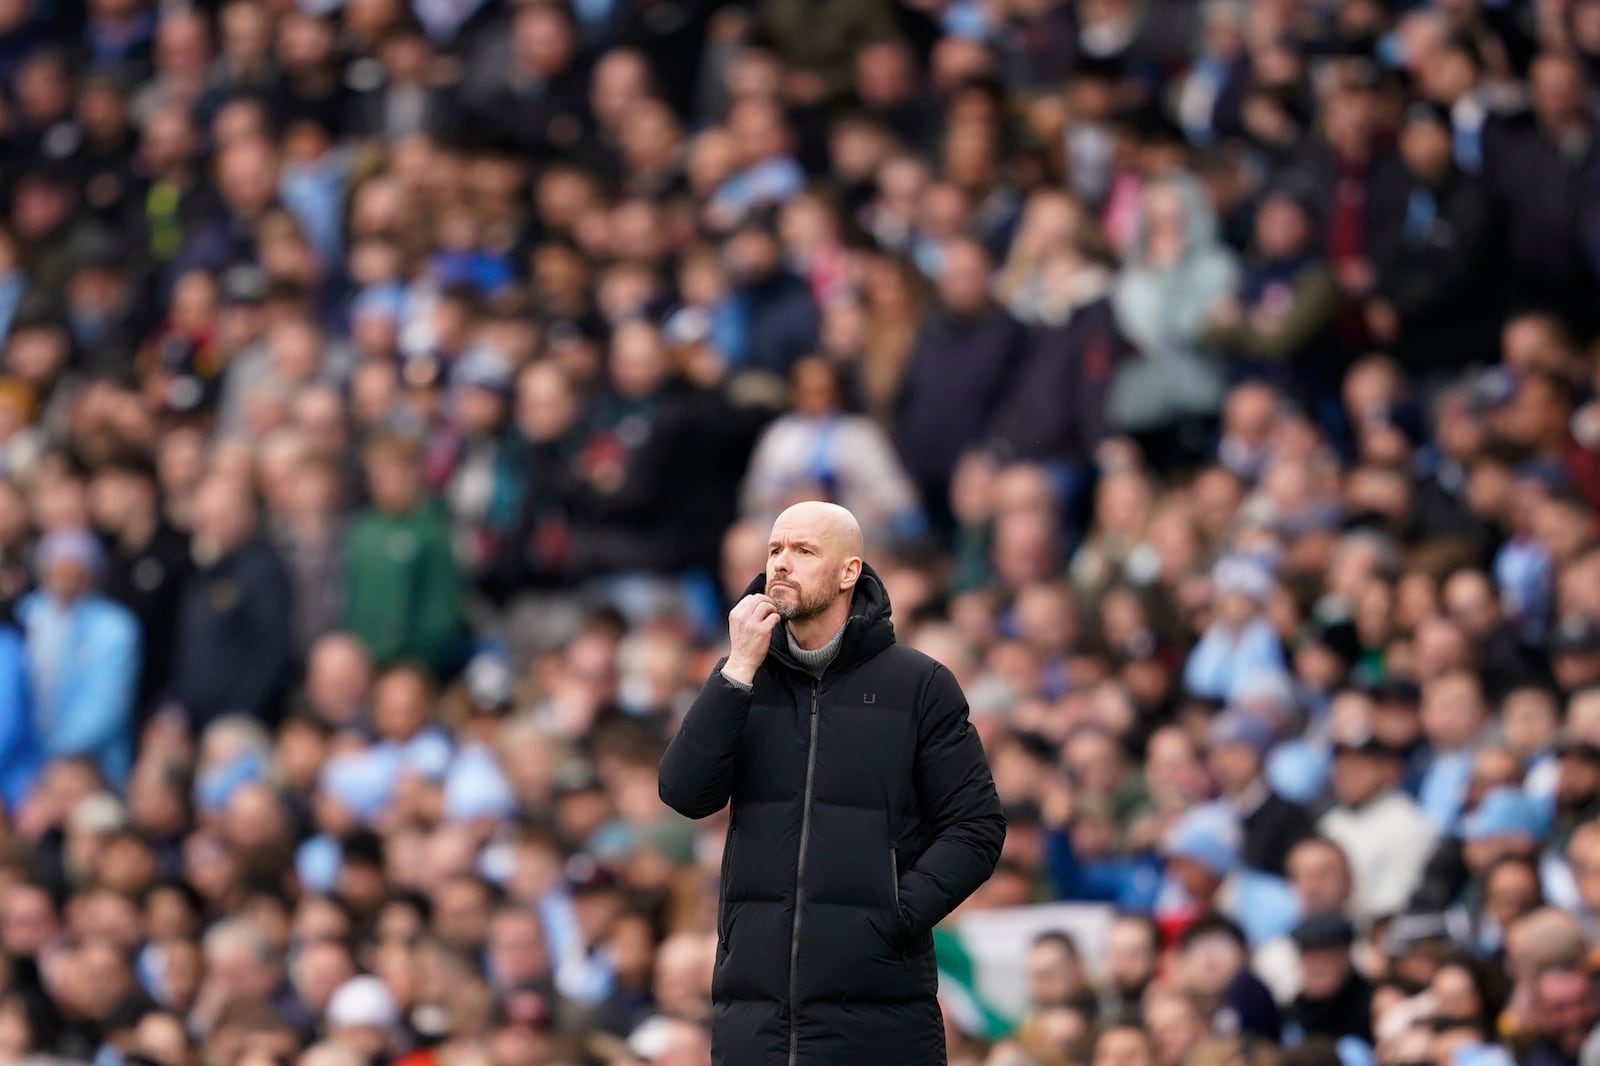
(851, 573)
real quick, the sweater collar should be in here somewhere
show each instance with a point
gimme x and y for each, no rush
(815, 662)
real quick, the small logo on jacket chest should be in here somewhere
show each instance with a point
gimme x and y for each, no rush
(869, 697)
(224, 596)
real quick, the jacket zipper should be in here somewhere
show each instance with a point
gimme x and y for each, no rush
(894, 874)
(799, 879)
(727, 864)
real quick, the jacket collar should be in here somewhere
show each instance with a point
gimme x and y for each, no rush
(866, 632)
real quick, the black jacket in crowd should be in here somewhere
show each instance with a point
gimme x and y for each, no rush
(1441, 287)
(1271, 830)
(149, 582)
(677, 487)
(955, 376)
(1055, 408)
(1544, 196)
(1348, 1012)
(234, 637)
(863, 812)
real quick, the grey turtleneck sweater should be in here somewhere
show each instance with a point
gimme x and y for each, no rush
(814, 663)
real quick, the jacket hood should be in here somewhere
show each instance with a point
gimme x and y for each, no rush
(1199, 217)
(866, 632)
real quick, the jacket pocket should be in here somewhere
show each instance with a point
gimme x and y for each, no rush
(722, 889)
(897, 936)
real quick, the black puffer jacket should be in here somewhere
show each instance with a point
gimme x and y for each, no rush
(863, 813)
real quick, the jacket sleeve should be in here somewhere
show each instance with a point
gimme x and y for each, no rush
(959, 799)
(1316, 302)
(696, 773)
(1106, 881)
(1443, 878)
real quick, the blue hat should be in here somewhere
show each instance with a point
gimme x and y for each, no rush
(358, 782)
(1298, 771)
(317, 863)
(214, 788)
(1481, 1055)
(76, 545)
(1242, 729)
(379, 301)
(427, 756)
(476, 788)
(1260, 690)
(1506, 812)
(483, 368)
(1353, 1051)
(1243, 576)
(1208, 835)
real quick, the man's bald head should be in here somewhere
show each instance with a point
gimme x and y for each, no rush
(813, 561)
(829, 522)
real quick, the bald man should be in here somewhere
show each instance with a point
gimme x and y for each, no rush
(863, 812)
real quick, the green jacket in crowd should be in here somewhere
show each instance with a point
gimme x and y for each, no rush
(403, 590)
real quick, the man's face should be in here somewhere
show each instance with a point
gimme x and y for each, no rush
(516, 950)
(113, 496)
(1583, 855)
(66, 579)
(1575, 669)
(1566, 1009)
(102, 978)
(394, 483)
(1281, 228)
(223, 515)
(1323, 971)
(1054, 976)
(1357, 777)
(753, 256)
(1452, 711)
(461, 915)
(1557, 90)
(1511, 891)
(1130, 955)
(1397, 724)
(1529, 719)
(1426, 148)
(804, 570)
(27, 922)
(1319, 878)
(1209, 963)
(1175, 1027)
(1577, 781)
(1234, 766)
(517, 1045)
(1122, 1047)
(1199, 882)
(400, 706)
(964, 281)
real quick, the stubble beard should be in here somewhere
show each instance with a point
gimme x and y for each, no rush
(805, 607)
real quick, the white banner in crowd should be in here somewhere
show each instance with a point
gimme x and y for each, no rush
(997, 943)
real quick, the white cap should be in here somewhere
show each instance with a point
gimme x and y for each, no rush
(99, 813)
(363, 1002)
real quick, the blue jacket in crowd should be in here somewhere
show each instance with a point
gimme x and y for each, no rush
(82, 665)
(21, 758)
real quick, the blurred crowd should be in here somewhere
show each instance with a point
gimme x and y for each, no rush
(394, 397)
